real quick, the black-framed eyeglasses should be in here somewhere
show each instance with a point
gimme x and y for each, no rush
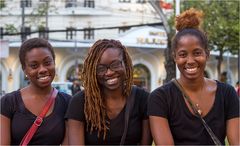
(114, 66)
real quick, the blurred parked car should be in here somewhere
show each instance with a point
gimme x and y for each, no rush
(63, 87)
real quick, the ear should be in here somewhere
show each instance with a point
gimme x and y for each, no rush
(174, 56)
(24, 70)
(207, 54)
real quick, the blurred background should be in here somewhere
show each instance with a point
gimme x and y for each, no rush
(145, 27)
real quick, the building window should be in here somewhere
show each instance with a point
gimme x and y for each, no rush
(123, 29)
(70, 3)
(1, 32)
(89, 3)
(26, 3)
(125, 1)
(43, 32)
(142, 76)
(88, 34)
(70, 33)
(141, 1)
(25, 31)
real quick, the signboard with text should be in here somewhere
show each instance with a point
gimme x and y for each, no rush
(146, 36)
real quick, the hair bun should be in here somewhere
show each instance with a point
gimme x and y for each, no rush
(189, 19)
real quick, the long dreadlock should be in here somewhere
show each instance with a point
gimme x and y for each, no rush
(95, 108)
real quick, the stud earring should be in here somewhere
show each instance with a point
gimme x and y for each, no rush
(26, 76)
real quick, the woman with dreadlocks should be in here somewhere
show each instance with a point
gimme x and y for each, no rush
(97, 114)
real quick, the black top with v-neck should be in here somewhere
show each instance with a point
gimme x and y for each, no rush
(167, 102)
(114, 134)
(51, 131)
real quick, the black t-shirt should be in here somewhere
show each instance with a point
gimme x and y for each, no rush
(51, 131)
(114, 134)
(167, 101)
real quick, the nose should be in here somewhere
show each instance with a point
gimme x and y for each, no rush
(109, 72)
(42, 69)
(190, 59)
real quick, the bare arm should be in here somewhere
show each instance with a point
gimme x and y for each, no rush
(233, 131)
(65, 140)
(75, 132)
(160, 131)
(146, 133)
(5, 131)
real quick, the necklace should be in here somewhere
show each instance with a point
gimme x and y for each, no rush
(198, 109)
(197, 105)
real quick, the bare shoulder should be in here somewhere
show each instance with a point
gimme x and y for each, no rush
(211, 85)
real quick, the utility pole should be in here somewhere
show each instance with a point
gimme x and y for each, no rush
(46, 16)
(169, 63)
(23, 80)
(177, 12)
(23, 31)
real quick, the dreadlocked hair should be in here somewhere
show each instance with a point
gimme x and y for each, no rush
(95, 108)
(188, 23)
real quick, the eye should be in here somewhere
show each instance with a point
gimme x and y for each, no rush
(198, 53)
(116, 64)
(182, 54)
(49, 62)
(33, 66)
(101, 68)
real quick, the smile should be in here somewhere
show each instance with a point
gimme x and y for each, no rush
(43, 78)
(191, 70)
(112, 81)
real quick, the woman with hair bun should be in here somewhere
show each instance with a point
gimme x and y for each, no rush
(177, 117)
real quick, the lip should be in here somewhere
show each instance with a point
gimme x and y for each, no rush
(191, 70)
(43, 76)
(44, 79)
(112, 81)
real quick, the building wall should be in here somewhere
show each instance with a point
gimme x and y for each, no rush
(107, 13)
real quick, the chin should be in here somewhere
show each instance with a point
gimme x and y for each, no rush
(113, 87)
(45, 86)
(192, 77)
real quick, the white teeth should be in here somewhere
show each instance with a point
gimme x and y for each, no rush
(112, 81)
(43, 78)
(191, 70)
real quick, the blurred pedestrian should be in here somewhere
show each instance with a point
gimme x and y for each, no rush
(237, 87)
(75, 87)
(193, 110)
(20, 109)
(99, 114)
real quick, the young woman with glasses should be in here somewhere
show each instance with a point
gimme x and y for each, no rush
(97, 114)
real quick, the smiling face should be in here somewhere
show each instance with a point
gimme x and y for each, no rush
(190, 57)
(39, 67)
(115, 74)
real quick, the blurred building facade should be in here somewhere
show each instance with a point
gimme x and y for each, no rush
(74, 25)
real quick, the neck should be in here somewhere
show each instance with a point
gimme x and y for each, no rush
(41, 92)
(192, 85)
(113, 94)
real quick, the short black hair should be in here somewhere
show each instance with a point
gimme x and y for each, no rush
(29, 44)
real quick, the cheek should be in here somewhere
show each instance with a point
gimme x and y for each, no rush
(53, 69)
(100, 79)
(179, 61)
